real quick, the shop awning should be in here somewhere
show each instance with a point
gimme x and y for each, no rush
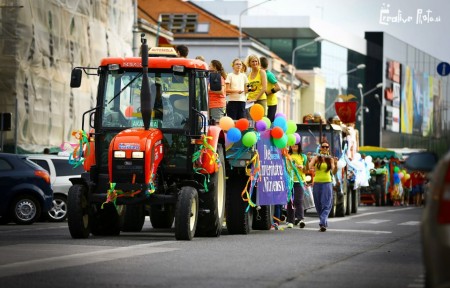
(378, 152)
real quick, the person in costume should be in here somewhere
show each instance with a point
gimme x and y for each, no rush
(324, 166)
(296, 168)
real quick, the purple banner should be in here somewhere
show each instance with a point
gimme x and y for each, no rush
(272, 187)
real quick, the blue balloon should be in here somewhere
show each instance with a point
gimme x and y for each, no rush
(234, 135)
(280, 122)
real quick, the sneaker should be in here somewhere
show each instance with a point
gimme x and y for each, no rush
(290, 225)
(302, 224)
(296, 221)
(323, 229)
(275, 226)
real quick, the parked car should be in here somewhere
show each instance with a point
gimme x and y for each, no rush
(60, 172)
(435, 227)
(25, 190)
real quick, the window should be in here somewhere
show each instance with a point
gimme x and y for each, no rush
(183, 23)
(64, 168)
(42, 163)
(4, 165)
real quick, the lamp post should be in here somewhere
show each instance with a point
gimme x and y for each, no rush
(362, 108)
(293, 73)
(240, 26)
(359, 67)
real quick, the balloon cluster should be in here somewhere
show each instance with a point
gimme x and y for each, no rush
(400, 175)
(282, 131)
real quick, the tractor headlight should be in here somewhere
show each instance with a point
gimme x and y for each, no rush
(119, 154)
(137, 154)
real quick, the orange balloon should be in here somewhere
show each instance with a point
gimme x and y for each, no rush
(242, 124)
(257, 112)
(276, 132)
(226, 123)
(129, 111)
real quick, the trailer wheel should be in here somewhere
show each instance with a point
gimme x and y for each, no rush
(105, 221)
(355, 200)
(78, 212)
(238, 220)
(186, 213)
(162, 219)
(333, 205)
(210, 223)
(133, 218)
(349, 207)
(262, 218)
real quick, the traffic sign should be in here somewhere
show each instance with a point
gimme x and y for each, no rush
(443, 68)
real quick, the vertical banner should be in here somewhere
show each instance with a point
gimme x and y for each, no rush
(272, 188)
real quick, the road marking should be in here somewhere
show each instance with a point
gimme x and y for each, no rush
(80, 259)
(373, 221)
(350, 230)
(410, 223)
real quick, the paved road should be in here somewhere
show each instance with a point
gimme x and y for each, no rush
(378, 247)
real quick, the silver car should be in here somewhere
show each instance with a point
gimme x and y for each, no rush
(435, 227)
(60, 171)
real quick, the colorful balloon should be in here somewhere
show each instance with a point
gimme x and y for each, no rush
(280, 114)
(280, 122)
(268, 122)
(396, 169)
(234, 135)
(290, 139)
(242, 124)
(226, 123)
(297, 138)
(276, 132)
(281, 142)
(257, 112)
(249, 139)
(291, 127)
(260, 125)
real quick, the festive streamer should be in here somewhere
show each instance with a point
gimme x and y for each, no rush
(81, 150)
(205, 147)
(253, 171)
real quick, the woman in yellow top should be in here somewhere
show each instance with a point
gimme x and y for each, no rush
(295, 214)
(324, 165)
(257, 83)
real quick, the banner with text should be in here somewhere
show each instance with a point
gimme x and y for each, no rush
(272, 188)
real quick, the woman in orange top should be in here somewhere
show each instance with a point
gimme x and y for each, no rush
(217, 99)
(257, 83)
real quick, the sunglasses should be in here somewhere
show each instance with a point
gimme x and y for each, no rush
(325, 146)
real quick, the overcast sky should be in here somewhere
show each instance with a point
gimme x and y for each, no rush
(357, 16)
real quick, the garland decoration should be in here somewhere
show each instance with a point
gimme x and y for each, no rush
(252, 169)
(205, 148)
(81, 151)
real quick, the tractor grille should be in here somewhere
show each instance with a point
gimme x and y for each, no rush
(125, 169)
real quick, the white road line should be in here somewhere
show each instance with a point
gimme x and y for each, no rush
(373, 221)
(410, 223)
(350, 230)
(72, 260)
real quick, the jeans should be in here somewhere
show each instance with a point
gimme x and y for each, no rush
(323, 199)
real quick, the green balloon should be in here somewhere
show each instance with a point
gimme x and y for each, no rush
(268, 123)
(281, 142)
(291, 139)
(396, 169)
(291, 127)
(249, 139)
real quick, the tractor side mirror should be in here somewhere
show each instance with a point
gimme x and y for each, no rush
(75, 78)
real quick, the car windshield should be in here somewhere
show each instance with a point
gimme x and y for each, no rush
(170, 106)
(310, 141)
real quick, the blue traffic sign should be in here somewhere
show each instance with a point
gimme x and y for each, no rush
(443, 68)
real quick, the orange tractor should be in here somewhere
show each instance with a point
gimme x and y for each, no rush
(152, 149)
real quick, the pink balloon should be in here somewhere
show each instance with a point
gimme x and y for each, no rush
(297, 138)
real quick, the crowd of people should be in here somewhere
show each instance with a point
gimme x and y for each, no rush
(251, 82)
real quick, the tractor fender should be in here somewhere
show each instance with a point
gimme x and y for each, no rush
(208, 163)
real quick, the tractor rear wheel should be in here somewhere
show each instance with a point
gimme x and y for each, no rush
(238, 220)
(213, 202)
(78, 212)
(186, 213)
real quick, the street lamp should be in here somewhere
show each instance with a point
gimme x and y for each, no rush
(240, 26)
(293, 64)
(362, 108)
(359, 67)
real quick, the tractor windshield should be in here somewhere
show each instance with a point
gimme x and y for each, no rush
(170, 101)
